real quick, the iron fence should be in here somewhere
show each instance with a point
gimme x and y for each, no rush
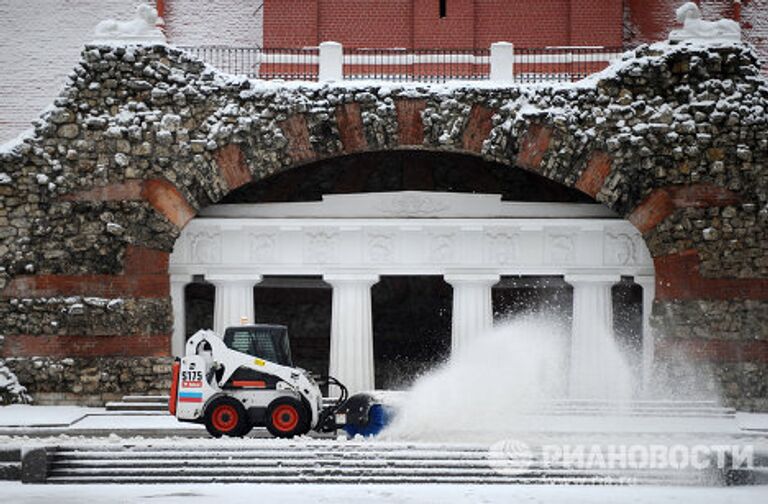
(417, 65)
(531, 65)
(561, 64)
(261, 63)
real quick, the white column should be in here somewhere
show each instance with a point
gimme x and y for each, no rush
(233, 301)
(331, 62)
(472, 307)
(595, 364)
(351, 358)
(178, 300)
(648, 283)
(502, 62)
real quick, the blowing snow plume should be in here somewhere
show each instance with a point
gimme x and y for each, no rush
(516, 368)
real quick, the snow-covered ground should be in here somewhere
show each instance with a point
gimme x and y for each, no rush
(373, 494)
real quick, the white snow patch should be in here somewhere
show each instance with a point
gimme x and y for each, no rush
(375, 494)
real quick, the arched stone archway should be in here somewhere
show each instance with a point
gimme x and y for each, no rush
(672, 139)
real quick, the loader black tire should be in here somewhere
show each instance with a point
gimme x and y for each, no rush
(226, 416)
(287, 417)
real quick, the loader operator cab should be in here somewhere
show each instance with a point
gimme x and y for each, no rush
(265, 341)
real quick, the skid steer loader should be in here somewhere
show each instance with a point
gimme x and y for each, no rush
(246, 379)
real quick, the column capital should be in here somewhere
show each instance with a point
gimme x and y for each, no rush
(471, 278)
(177, 279)
(645, 280)
(588, 279)
(227, 278)
(350, 278)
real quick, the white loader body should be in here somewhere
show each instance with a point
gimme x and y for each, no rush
(204, 380)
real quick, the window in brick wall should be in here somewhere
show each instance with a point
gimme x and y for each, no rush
(443, 8)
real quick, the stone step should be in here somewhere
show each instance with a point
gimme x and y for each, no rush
(314, 471)
(326, 462)
(162, 399)
(136, 406)
(322, 479)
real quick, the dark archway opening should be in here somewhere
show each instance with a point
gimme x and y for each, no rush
(405, 171)
(199, 297)
(411, 328)
(303, 304)
(628, 321)
(516, 296)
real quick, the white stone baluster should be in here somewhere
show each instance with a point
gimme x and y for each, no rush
(648, 283)
(472, 307)
(351, 357)
(233, 301)
(594, 359)
(178, 302)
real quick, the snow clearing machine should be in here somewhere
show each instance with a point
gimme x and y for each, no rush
(247, 379)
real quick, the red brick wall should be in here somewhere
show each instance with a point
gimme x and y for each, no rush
(290, 23)
(455, 31)
(366, 23)
(417, 23)
(525, 23)
(596, 22)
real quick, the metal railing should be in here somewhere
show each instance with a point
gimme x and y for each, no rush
(417, 65)
(529, 65)
(260, 62)
(561, 64)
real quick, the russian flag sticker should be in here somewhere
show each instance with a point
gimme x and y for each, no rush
(190, 397)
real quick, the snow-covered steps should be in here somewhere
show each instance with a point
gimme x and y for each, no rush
(10, 463)
(339, 462)
(643, 408)
(157, 403)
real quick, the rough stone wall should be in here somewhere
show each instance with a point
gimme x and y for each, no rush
(672, 138)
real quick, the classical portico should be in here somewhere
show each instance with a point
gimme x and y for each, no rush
(471, 240)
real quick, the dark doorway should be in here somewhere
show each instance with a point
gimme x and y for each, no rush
(303, 304)
(546, 296)
(628, 320)
(411, 328)
(198, 307)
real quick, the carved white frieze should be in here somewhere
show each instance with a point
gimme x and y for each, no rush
(205, 246)
(381, 247)
(619, 249)
(409, 245)
(441, 247)
(561, 248)
(262, 247)
(320, 246)
(413, 205)
(502, 247)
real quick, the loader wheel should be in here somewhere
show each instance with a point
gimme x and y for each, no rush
(287, 417)
(226, 416)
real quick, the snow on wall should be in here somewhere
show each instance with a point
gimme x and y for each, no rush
(41, 42)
